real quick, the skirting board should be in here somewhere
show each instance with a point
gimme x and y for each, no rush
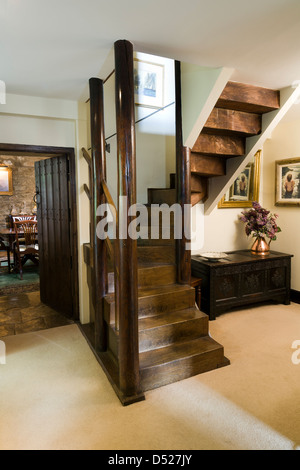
(295, 296)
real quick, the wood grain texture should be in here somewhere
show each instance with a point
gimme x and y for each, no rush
(198, 184)
(183, 188)
(128, 269)
(244, 279)
(207, 166)
(54, 234)
(177, 362)
(231, 122)
(249, 98)
(161, 196)
(99, 274)
(219, 145)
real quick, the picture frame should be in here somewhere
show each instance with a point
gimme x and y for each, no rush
(6, 186)
(148, 84)
(287, 178)
(245, 188)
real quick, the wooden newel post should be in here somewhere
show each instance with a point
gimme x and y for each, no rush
(183, 189)
(99, 174)
(129, 376)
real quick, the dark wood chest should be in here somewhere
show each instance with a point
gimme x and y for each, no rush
(242, 279)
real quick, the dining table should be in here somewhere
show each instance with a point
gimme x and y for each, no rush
(9, 234)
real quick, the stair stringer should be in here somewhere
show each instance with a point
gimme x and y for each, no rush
(217, 187)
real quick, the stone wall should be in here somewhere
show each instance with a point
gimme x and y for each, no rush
(23, 179)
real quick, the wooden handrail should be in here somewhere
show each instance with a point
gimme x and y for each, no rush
(87, 191)
(87, 157)
(109, 247)
(108, 196)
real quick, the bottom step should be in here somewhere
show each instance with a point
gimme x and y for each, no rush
(179, 361)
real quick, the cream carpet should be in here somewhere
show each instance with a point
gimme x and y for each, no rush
(54, 395)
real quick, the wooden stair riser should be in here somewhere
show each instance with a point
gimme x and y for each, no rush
(209, 357)
(156, 303)
(158, 254)
(198, 184)
(248, 98)
(181, 330)
(231, 122)
(149, 242)
(198, 197)
(208, 166)
(166, 302)
(161, 196)
(225, 146)
(151, 276)
(163, 232)
(168, 334)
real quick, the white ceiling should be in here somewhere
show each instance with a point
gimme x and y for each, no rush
(52, 48)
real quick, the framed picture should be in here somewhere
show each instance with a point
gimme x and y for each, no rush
(287, 182)
(6, 187)
(148, 84)
(245, 188)
(240, 190)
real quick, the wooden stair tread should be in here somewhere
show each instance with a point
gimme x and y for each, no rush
(249, 98)
(178, 351)
(144, 264)
(144, 292)
(233, 122)
(208, 165)
(219, 145)
(162, 290)
(179, 316)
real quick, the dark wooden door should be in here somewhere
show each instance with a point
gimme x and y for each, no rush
(54, 233)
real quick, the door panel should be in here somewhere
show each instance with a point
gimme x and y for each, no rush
(53, 216)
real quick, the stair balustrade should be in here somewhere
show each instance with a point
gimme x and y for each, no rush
(122, 251)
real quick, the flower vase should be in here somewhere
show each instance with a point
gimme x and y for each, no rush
(260, 247)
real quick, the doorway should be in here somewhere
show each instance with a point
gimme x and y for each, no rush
(55, 187)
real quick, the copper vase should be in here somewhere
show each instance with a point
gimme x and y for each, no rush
(260, 247)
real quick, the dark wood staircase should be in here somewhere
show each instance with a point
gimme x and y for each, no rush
(174, 340)
(146, 329)
(236, 116)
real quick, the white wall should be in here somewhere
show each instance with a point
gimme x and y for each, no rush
(155, 136)
(201, 87)
(285, 143)
(222, 230)
(61, 123)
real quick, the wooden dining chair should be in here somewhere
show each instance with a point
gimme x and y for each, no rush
(4, 247)
(26, 244)
(20, 217)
